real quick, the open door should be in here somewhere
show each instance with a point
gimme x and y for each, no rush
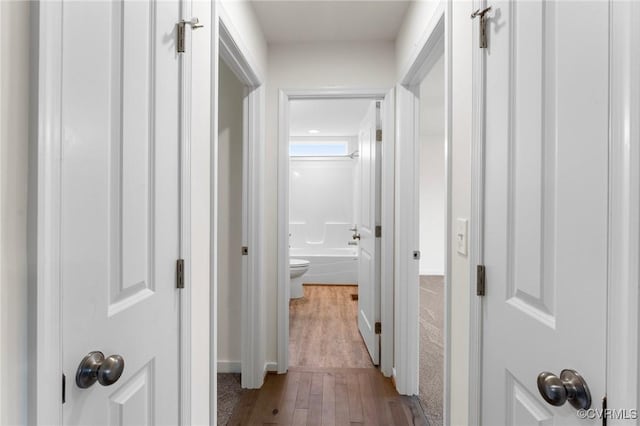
(120, 204)
(368, 222)
(546, 213)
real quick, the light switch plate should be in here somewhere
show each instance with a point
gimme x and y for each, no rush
(461, 236)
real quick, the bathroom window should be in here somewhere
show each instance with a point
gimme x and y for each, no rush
(319, 149)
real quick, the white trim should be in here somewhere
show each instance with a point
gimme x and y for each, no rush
(252, 324)
(229, 366)
(624, 208)
(283, 216)
(434, 44)
(185, 223)
(406, 295)
(387, 244)
(283, 233)
(48, 358)
(270, 367)
(198, 379)
(431, 272)
(429, 42)
(213, 221)
(476, 225)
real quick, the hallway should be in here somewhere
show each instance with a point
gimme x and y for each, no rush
(323, 329)
(327, 396)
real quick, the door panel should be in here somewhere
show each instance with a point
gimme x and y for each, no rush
(120, 208)
(545, 206)
(369, 247)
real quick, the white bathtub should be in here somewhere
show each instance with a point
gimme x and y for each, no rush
(329, 266)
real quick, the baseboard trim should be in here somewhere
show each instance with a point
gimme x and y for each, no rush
(432, 272)
(393, 378)
(229, 366)
(270, 367)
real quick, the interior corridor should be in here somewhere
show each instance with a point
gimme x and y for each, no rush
(327, 396)
(323, 328)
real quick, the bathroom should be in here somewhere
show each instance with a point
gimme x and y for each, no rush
(325, 214)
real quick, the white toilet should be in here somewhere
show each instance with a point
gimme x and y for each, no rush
(297, 268)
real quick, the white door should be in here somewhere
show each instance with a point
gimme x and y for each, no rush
(369, 247)
(120, 208)
(545, 223)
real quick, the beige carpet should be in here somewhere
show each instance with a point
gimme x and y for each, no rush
(432, 347)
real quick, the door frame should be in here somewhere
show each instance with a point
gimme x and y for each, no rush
(229, 49)
(44, 232)
(387, 216)
(623, 303)
(434, 44)
(623, 319)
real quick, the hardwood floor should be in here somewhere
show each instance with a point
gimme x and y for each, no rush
(323, 329)
(331, 380)
(327, 396)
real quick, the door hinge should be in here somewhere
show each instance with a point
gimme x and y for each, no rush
(180, 43)
(180, 273)
(482, 25)
(604, 411)
(481, 280)
(378, 327)
(245, 251)
(378, 231)
(64, 388)
(379, 135)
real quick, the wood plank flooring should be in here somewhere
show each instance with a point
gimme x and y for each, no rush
(331, 380)
(323, 329)
(327, 396)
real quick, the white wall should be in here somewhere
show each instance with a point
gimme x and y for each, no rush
(15, 32)
(407, 44)
(432, 172)
(413, 28)
(229, 219)
(243, 24)
(310, 66)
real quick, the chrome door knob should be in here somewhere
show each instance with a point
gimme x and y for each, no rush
(96, 368)
(570, 386)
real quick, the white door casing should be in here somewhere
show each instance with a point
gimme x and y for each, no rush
(546, 202)
(369, 244)
(120, 208)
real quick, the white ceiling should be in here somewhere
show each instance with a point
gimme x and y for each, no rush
(332, 117)
(330, 20)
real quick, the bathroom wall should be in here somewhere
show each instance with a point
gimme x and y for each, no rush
(432, 172)
(321, 201)
(229, 219)
(310, 66)
(15, 325)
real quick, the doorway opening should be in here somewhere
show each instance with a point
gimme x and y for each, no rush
(432, 224)
(334, 208)
(230, 238)
(237, 158)
(333, 188)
